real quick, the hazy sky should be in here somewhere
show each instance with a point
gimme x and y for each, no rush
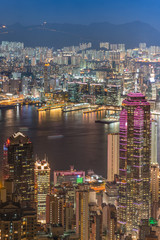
(79, 11)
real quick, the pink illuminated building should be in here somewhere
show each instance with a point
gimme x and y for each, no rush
(134, 164)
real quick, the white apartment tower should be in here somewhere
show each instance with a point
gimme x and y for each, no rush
(112, 156)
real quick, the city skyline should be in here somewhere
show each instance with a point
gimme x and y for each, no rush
(96, 111)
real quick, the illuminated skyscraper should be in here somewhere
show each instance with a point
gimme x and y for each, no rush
(112, 156)
(42, 188)
(19, 166)
(134, 169)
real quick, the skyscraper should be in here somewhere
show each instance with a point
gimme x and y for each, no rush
(134, 169)
(19, 166)
(112, 156)
(42, 188)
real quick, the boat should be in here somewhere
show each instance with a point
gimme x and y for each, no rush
(55, 137)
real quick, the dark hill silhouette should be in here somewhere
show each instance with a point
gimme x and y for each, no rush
(59, 35)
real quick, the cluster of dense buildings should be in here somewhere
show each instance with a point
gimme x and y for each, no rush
(79, 206)
(79, 73)
(124, 206)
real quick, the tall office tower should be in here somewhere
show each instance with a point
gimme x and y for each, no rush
(154, 142)
(42, 188)
(112, 156)
(18, 156)
(82, 214)
(134, 169)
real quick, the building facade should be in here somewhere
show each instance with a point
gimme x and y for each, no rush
(42, 188)
(19, 166)
(134, 169)
(73, 176)
(112, 156)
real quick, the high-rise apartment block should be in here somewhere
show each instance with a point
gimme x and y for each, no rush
(112, 156)
(104, 45)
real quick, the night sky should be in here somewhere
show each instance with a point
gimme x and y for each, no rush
(79, 11)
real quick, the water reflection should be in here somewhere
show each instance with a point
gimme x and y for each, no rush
(17, 111)
(83, 143)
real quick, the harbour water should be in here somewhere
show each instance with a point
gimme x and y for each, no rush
(71, 138)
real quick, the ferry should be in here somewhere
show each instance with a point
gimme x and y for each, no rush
(76, 107)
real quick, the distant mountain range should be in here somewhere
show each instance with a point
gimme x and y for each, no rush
(60, 35)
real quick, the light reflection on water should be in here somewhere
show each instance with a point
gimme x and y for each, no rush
(83, 143)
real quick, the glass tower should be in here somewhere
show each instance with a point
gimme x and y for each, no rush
(19, 167)
(134, 165)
